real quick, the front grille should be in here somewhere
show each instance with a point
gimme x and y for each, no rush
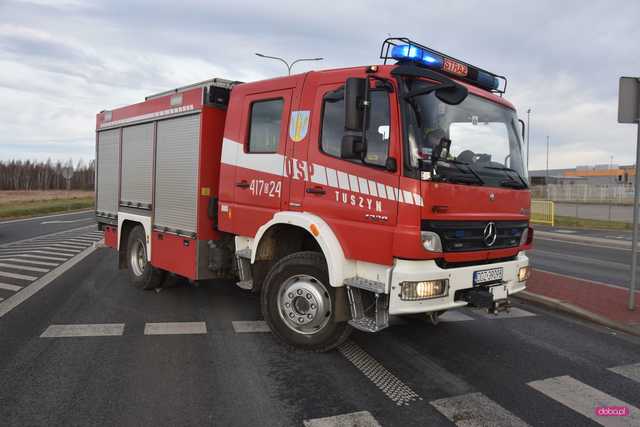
(443, 263)
(466, 236)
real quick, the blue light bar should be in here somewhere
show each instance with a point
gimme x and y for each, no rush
(412, 53)
(487, 80)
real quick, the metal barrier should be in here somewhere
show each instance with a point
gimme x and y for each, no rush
(543, 212)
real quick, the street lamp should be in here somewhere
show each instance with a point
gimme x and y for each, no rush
(289, 66)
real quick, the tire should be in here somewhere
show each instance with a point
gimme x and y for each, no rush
(141, 273)
(301, 280)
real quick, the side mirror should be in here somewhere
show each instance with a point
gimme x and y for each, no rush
(351, 147)
(523, 127)
(355, 92)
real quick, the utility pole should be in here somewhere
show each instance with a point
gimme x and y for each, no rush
(528, 137)
(289, 66)
(547, 171)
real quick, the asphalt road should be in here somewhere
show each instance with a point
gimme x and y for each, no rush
(530, 368)
(19, 229)
(605, 259)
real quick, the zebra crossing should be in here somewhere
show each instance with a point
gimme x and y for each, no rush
(22, 263)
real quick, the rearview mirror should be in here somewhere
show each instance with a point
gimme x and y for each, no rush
(351, 147)
(354, 97)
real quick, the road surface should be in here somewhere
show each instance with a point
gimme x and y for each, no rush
(88, 349)
(19, 229)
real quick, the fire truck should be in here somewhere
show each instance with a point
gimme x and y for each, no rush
(341, 196)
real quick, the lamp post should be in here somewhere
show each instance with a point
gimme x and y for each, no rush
(289, 66)
(528, 138)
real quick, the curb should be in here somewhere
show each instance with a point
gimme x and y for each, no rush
(547, 235)
(576, 311)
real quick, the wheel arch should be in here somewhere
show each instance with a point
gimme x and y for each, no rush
(310, 227)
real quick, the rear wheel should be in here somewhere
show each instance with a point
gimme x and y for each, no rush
(299, 305)
(141, 273)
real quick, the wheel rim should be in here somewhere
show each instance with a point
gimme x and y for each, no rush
(138, 258)
(304, 304)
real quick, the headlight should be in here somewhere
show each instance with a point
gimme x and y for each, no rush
(431, 241)
(412, 291)
(524, 273)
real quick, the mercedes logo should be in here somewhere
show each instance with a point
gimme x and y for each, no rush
(489, 234)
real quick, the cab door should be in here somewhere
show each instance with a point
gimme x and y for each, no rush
(357, 198)
(259, 176)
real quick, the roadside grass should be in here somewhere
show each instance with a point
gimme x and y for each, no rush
(569, 221)
(28, 208)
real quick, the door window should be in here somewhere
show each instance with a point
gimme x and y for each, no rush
(264, 132)
(378, 133)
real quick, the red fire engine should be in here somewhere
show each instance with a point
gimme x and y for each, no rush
(342, 196)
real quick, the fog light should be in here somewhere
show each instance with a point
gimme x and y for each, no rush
(411, 291)
(524, 273)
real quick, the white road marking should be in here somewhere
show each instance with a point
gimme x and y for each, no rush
(68, 221)
(51, 253)
(68, 246)
(513, 313)
(26, 261)
(455, 316)
(355, 419)
(175, 328)
(23, 267)
(41, 257)
(630, 371)
(91, 330)
(8, 287)
(250, 326)
(17, 276)
(17, 299)
(585, 399)
(83, 240)
(62, 251)
(388, 383)
(1, 299)
(47, 216)
(476, 409)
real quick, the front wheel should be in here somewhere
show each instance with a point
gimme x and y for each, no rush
(299, 305)
(141, 273)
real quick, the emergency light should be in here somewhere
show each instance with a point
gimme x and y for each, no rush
(409, 52)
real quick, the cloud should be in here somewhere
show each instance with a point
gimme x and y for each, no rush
(62, 61)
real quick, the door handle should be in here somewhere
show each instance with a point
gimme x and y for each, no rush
(243, 184)
(316, 190)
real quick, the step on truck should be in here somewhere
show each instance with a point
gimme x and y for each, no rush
(341, 196)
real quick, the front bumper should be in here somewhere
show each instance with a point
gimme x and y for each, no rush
(459, 279)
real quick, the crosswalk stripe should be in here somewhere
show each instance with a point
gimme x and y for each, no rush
(69, 245)
(476, 409)
(584, 399)
(175, 328)
(41, 257)
(91, 330)
(250, 326)
(359, 419)
(63, 251)
(26, 261)
(17, 276)
(630, 371)
(23, 267)
(83, 239)
(51, 253)
(8, 287)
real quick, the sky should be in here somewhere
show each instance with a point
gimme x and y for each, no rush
(62, 61)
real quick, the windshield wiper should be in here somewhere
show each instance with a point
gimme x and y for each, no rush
(511, 182)
(469, 169)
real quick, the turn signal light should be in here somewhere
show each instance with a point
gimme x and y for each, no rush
(524, 273)
(412, 291)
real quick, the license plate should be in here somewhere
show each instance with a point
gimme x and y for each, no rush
(492, 275)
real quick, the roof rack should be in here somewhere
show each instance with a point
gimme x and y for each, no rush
(390, 42)
(217, 82)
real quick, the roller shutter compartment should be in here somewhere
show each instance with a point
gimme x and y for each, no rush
(177, 151)
(107, 185)
(137, 165)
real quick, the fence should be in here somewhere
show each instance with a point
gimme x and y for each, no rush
(543, 212)
(585, 193)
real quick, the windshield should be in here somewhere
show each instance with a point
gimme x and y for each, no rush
(485, 140)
